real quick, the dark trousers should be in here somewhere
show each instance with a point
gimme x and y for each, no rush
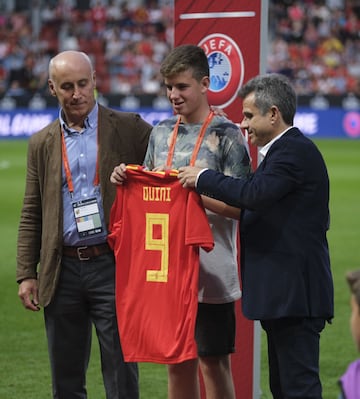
(85, 296)
(293, 351)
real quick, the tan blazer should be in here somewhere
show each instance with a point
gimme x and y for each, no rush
(123, 137)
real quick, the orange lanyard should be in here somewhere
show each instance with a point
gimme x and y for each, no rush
(67, 166)
(197, 144)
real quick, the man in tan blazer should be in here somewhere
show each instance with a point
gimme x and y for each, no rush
(63, 262)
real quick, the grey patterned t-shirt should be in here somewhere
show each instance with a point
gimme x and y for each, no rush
(224, 149)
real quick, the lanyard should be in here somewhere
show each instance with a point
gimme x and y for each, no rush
(197, 144)
(67, 166)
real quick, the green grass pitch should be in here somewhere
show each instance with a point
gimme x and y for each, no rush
(23, 354)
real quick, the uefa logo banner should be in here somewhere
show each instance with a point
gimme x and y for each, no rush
(226, 68)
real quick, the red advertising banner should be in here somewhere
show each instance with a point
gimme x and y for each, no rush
(232, 34)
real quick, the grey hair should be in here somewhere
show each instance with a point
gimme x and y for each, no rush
(272, 89)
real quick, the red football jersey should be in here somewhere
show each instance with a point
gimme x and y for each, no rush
(156, 228)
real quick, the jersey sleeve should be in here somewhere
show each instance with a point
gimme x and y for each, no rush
(198, 231)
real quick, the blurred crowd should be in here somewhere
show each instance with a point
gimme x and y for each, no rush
(126, 40)
(314, 42)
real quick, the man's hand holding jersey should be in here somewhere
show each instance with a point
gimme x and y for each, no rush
(118, 175)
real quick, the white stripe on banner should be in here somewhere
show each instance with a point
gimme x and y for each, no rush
(204, 15)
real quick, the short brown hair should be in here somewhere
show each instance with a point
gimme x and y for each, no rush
(183, 58)
(353, 279)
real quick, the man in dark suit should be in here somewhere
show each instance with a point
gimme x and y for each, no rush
(63, 227)
(285, 266)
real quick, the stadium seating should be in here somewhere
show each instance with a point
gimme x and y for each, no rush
(316, 43)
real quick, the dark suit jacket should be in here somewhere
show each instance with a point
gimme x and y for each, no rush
(285, 266)
(123, 137)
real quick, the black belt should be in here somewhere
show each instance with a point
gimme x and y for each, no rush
(86, 252)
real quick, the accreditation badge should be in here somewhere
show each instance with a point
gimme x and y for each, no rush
(87, 217)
